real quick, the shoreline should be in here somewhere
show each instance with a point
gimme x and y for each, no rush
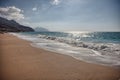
(106, 55)
(21, 61)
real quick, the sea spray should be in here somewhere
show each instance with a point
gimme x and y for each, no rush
(86, 46)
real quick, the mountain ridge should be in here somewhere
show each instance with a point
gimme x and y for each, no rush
(12, 26)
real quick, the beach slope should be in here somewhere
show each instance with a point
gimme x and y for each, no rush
(21, 61)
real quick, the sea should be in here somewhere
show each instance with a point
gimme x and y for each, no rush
(93, 47)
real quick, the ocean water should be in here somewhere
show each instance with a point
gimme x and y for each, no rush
(94, 47)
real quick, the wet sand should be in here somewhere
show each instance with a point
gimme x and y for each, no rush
(21, 61)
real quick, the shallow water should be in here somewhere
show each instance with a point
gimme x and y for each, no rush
(103, 49)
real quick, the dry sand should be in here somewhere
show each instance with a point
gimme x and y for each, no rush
(20, 61)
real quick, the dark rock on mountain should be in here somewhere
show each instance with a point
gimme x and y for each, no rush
(13, 26)
(41, 29)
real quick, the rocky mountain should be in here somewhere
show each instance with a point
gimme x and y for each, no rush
(41, 29)
(13, 26)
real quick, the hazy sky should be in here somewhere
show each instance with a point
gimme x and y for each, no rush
(64, 15)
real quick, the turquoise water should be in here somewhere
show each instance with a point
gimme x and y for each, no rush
(103, 37)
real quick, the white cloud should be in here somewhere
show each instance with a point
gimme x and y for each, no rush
(55, 2)
(11, 12)
(34, 9)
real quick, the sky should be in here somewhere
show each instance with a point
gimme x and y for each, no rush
(64, 15)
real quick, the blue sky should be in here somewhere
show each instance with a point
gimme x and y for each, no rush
(64, 15)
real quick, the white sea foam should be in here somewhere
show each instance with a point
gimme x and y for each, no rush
(105, 54)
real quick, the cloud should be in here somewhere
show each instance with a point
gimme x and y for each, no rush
(55, 2)
(34, 9)
(11, 12)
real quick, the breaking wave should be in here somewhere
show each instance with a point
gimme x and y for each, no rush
(105, 53)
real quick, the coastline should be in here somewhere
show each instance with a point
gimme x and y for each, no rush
(21, 61)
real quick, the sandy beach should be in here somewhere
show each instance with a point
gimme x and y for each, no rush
(21, 61)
